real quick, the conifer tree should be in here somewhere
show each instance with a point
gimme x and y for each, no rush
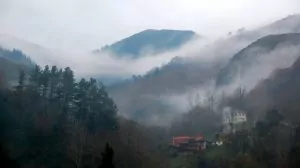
(107, 157)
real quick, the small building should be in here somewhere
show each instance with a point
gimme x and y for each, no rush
(188, 143)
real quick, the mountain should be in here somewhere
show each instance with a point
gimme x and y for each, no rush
(254, 53)
(38, 54)
(12, 63)
(174, 77)
(150, 41)
(146, 98)
(269, 50)
(16, 56)
(280, 91)
(240, 39)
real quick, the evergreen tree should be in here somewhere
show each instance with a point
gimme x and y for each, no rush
(102, 112)
(44, 110)
(80, 100)
(67, 88)
(21, 82)
(45, 77)
(107, 157)
(34, 76)
(54, 79)
(5, 160)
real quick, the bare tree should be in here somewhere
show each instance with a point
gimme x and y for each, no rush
(193, 99)
(77, 142)
(210, 100)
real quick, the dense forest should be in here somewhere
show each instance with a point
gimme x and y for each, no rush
(51, 120)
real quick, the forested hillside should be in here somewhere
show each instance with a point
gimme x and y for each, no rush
(150, 42)
(241, 59)
(51, 120)
(280, 91)
(12, 63)
(264, 51)
(139, 98)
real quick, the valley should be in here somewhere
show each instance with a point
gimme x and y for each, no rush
(160, 98)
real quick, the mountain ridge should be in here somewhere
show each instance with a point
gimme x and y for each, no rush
(247, 56)
(225, 49)
(279, 91)
(150, 41)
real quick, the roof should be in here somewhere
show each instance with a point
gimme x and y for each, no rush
(183, 137)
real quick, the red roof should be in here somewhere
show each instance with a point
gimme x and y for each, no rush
(183, 137)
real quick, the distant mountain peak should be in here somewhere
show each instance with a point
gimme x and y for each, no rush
(150, 41)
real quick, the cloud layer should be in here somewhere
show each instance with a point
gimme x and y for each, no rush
(90, 24)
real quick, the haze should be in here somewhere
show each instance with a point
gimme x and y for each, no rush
(90, 24)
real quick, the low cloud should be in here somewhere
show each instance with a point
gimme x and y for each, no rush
(100, 64)
(263, 67)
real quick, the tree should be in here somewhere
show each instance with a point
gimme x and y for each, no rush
(45, 78)
(107, 157)
(60, 122)
(67, 89)
(3, 81)
(54, 79)
(21, 82)
(210, 98)
(35, 76)
(5, 160)
(78, 142)
(273, 118)
(197, 121)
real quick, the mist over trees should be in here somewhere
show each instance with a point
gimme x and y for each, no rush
(50, 120)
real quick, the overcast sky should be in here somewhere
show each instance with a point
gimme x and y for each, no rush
(92, 23)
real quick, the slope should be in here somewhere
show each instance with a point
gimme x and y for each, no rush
(259, 53)
(150, 42)
(280, 91)
(289, 24)
(16, 56)
(12, 62)
(143, 98)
